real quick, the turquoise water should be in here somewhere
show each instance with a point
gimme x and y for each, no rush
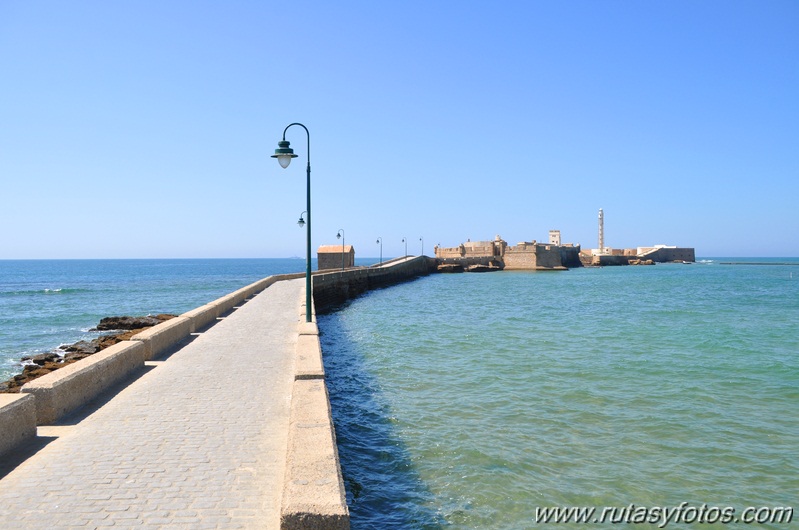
(468, 401)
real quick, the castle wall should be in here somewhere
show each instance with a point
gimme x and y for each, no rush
(549, 257)
(535, 256)
(570, 256)
(527, 255)
(520, 259)
(674, 254)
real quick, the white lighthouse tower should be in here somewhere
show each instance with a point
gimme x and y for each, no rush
(601, 248)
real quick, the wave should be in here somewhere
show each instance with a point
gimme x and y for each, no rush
(46, 291)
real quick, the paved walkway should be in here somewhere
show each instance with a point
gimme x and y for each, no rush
(198, 441)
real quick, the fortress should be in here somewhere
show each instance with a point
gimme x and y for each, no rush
(497, 254)
(553, 255)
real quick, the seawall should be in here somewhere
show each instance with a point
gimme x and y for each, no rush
(331, 288)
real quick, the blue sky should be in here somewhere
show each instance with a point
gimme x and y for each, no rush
(144, 129)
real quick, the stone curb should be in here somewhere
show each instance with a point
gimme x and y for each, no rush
(308, 361)
(313, 494)
(313, 488)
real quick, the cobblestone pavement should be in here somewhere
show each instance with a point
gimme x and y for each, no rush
(198, 441)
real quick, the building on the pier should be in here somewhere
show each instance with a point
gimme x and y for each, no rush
(335, 257)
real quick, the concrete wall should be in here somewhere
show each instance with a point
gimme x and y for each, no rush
(66, 389)
(313, 488)
(17, 420)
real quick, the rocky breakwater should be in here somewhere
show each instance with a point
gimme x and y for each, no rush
(115, 329)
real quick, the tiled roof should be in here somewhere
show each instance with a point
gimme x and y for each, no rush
(334, 249)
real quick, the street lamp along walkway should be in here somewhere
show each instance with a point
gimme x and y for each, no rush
(284, 154)
(340, 235)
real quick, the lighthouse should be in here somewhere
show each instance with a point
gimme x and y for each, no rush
(601, 247)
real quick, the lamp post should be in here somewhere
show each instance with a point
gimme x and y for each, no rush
(380, 240)
(422, 240)
(340, 235)
(405, 240)
(301, 222)
(284, 154)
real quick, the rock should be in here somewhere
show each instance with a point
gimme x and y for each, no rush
(38, 371)
(450, 267)
(83, 346)
(44, 358)
(74, 356)
(114, 323)
(44, 363)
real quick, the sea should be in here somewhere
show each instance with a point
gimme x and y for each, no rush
(471, 401)
(485, 401)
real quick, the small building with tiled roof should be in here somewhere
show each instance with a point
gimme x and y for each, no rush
(335, 256)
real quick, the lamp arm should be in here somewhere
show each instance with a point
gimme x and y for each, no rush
(308, 136)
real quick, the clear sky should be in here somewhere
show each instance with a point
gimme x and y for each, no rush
(144, 129)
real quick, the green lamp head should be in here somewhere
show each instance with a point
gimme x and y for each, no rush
(284, 153)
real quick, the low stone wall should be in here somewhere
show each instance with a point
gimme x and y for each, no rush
(17, 420)
(66, 389)
(313, 488)
(159, 339)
